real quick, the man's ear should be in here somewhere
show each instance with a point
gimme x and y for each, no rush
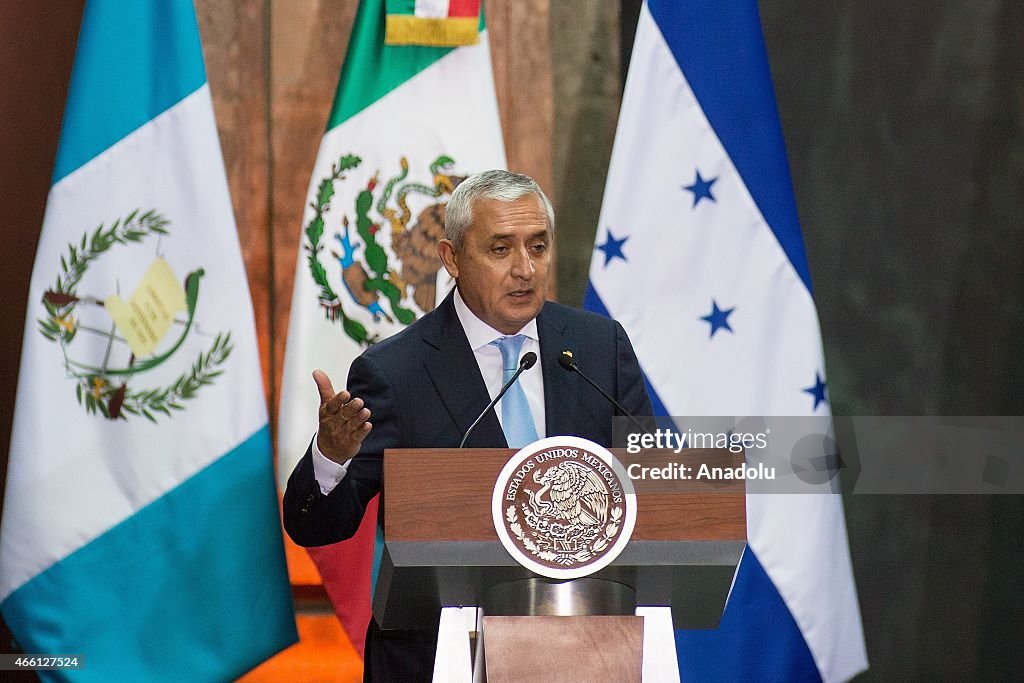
(449, 257)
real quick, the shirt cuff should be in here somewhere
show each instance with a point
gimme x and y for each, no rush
(327, 473)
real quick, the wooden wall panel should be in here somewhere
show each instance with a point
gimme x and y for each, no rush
(521, 52)
(306, 49)
(585, 72)
(234, 47)
(307, 46)
(34, 84)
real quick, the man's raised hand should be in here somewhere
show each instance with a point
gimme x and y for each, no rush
(343, 421)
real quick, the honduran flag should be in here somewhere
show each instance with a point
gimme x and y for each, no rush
(699, 255)
(409, 122)
(140, 524)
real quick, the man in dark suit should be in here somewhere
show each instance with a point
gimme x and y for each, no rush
(425, 386)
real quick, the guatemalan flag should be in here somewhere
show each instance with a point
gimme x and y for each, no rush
(140, 524)
(699, 255)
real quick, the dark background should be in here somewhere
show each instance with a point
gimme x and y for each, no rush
(905, 129)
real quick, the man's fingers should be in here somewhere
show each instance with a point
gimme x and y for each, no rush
(357, 421)
(343, 420)
(330, 402)
(323, 386)
(352, 408)
(340, 439)
(363, 430)
(342, 442)
(341, 404)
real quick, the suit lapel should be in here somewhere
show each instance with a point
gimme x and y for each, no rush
(455, 373)
(560, 395)
(567, 412)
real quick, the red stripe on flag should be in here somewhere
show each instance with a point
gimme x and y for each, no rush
(346, 569)
(463, 8)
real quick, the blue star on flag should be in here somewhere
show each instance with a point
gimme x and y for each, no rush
(718, 318)
(612, 248)
(701, 189)
(817, 391)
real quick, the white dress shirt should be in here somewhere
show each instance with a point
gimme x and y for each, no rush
(488, 358)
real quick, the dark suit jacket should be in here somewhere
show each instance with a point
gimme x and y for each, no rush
(424, 389)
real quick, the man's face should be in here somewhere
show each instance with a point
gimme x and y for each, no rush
(502, 268)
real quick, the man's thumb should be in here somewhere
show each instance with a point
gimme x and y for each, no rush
(323, 385)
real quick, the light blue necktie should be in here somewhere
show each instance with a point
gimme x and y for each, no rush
(516, 418)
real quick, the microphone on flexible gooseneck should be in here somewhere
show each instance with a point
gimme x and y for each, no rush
(569, 364)
(528, 360)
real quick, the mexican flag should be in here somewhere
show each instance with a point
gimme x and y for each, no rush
(409, 122)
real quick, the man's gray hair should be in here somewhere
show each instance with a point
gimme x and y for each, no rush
(501, 185)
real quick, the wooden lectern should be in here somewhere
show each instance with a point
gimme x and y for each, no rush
(441, 550)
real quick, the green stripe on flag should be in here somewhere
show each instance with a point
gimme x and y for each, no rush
(373, 69)
(401, 6)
